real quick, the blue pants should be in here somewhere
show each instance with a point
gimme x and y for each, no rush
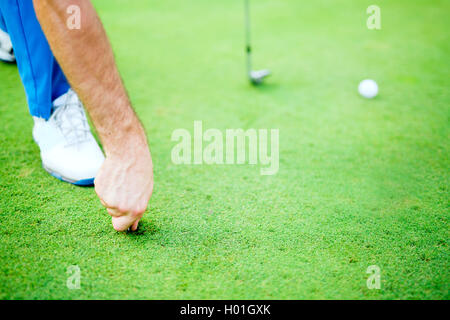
(41, 74)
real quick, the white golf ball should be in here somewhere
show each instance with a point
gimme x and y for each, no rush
(368, 89)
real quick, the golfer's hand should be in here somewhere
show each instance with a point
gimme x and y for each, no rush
(124, 185)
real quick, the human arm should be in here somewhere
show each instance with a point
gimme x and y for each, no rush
(124, 183)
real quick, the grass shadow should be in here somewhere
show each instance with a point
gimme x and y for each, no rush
(148, 228)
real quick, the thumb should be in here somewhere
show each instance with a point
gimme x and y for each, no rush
(122, 223)
(135, 225)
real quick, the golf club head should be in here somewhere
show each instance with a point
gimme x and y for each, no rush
(257, 77)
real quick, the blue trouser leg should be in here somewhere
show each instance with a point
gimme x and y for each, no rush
(2, 23)
(41, 75)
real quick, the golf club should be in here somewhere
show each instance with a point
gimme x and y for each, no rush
(255, 76)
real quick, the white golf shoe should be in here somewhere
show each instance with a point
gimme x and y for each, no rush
(69, 152)
(6, 48)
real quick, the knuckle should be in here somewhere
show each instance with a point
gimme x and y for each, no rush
(122, 209)
(109, 203)
(136, 213)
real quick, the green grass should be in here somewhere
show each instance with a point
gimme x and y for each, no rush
(360, 182)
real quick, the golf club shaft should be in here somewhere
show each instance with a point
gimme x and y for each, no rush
(248, 36)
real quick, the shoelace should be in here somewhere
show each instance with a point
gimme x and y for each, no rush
(71, 120)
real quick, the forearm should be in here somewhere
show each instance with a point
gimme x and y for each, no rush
(87, 60)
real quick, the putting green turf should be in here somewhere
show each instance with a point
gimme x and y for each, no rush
(360, 182)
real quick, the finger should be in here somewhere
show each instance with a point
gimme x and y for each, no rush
(122, 223)
(114, 212)
(135, 226)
